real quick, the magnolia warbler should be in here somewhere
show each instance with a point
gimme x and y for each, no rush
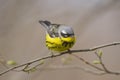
(58, 37)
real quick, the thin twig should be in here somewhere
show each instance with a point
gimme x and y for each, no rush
(53, 67)
(104, 67)
(97, 47)
(62, 53)
(101, 62)
(88, 63)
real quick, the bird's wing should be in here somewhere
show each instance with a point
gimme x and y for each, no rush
(52, 29)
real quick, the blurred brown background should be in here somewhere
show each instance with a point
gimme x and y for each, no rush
(22, 38)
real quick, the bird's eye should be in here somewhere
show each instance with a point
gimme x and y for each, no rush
(64, 34)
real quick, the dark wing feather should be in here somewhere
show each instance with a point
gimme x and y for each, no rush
(52, 29)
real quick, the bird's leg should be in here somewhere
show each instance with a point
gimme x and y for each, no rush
(52, 54)
(69, 51)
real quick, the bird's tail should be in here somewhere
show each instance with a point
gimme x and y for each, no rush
(46, 24)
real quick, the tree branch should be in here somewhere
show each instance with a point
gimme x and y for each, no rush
(54, 67)
(62, 53)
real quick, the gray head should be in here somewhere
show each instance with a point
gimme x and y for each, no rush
(65, 31)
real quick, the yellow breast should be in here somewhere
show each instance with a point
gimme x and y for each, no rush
(59, 44)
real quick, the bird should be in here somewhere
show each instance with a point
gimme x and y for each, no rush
(59, 37)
